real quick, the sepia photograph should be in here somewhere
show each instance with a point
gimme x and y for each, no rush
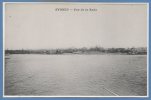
(75, 49)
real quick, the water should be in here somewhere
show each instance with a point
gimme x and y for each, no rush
(76, 75)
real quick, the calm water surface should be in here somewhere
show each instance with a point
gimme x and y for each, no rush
(77, 75)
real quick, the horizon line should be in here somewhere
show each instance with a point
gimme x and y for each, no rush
(73, 48)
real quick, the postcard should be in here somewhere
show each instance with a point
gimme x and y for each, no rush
(75, 49)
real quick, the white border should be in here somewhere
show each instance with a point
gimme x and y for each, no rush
(83, 3)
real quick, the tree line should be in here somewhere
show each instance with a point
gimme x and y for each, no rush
(84, 50)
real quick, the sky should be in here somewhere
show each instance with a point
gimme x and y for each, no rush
(40, 26)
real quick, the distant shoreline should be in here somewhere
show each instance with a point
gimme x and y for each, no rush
(78, 54)
(84, 50)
